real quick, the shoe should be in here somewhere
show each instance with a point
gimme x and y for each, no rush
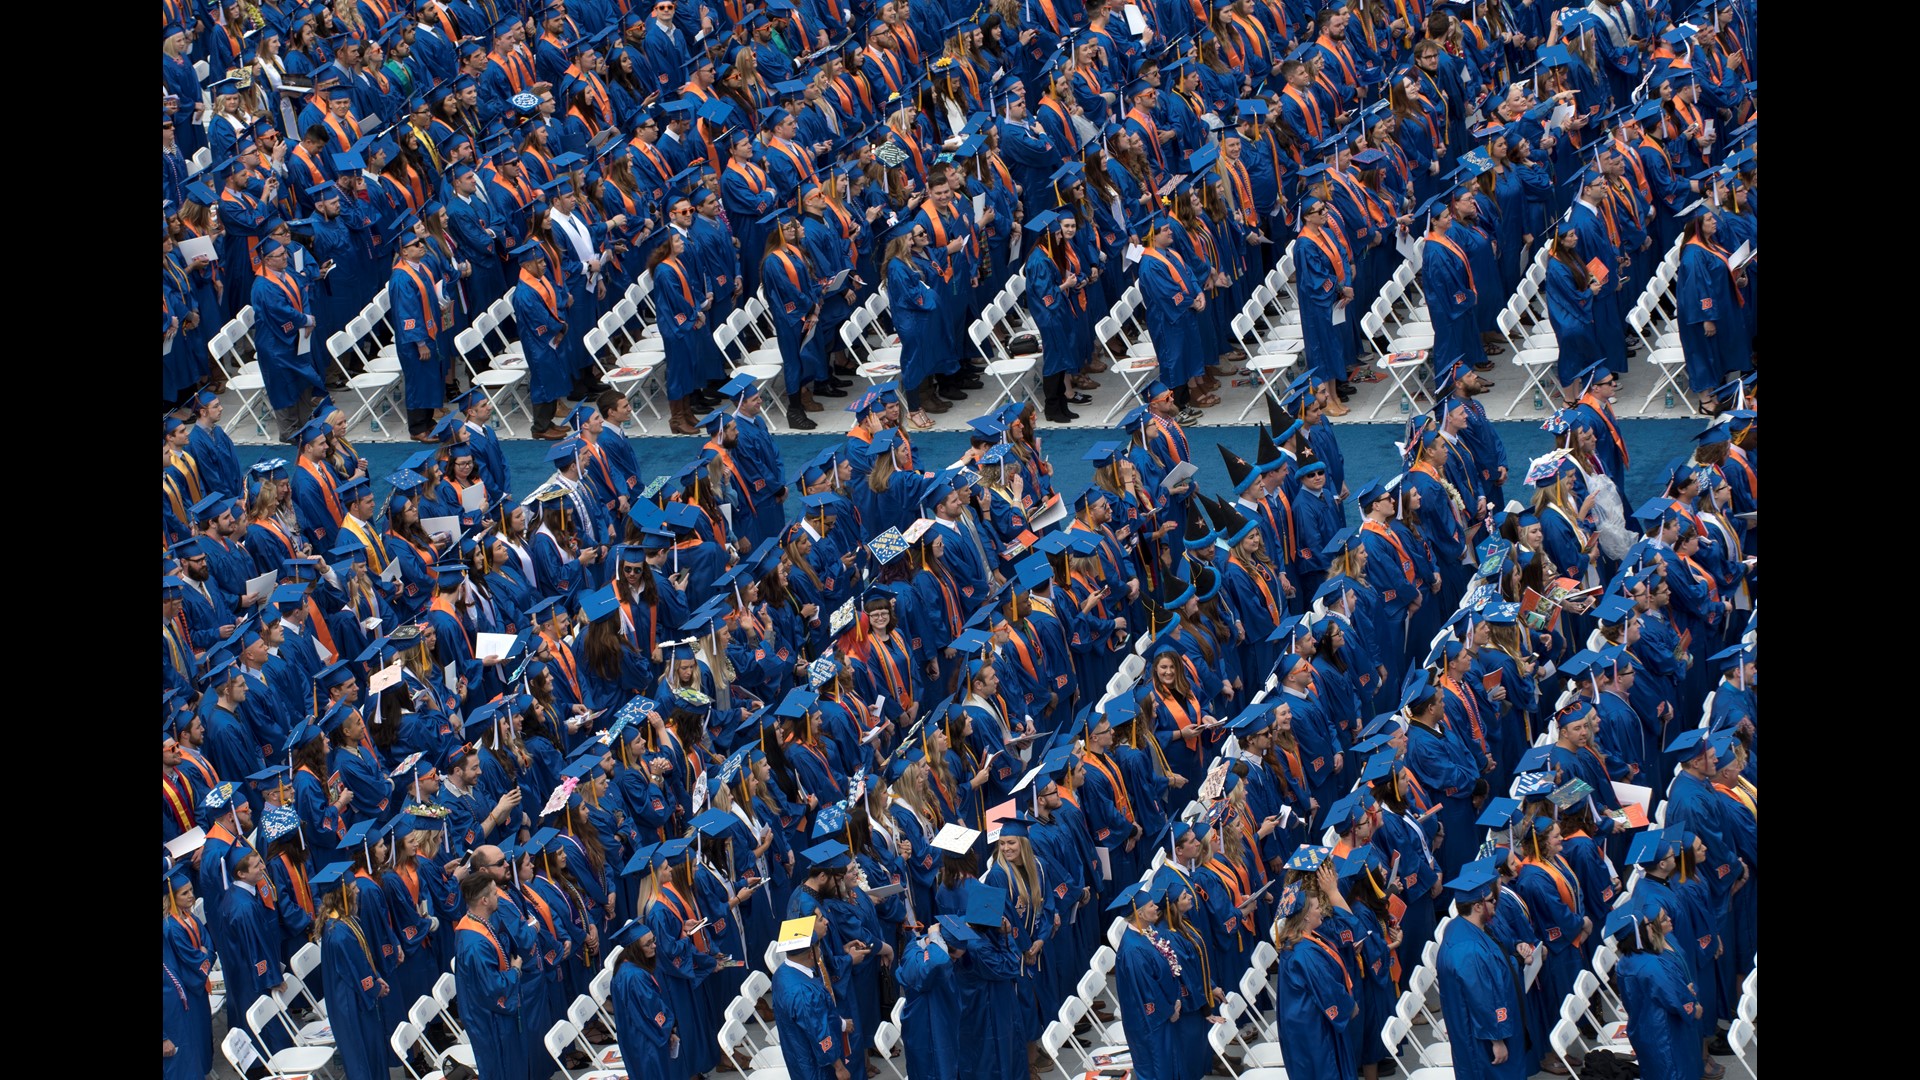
(967, 381)
(807, 402)
(1554, 1067)
(1712, 1070)
(1484, 366)
(425, 437)
(1719, 1047)
(1190, 415)
(1344, 395)
(1080, 399)
(934, 403)
(828, 390)
(680, 421)
(1386, 1067)
(956, 392)
(797, 417)
(1058, 414)
(597, 388)
(1096, 367)
(1084, 383)
(838, 383)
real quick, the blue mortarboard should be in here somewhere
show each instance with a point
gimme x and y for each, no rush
(1475, 883)
(829, 855)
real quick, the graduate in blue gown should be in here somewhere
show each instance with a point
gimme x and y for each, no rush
(643, 1019)
(930, 1021)
(487, 981)
(1555, 902)
(986, 978)
(1572, 300)
(187, 956)
(687, 960)
(250, 947)
(1315, 991)
(1146, 979)
(1658, 991)
(1477, 989)
(813, 1035)
(353, 986)
(1714, 331)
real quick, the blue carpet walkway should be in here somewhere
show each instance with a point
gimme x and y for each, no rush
(1368, 449)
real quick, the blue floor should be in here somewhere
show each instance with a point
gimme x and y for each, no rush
(1368, 449)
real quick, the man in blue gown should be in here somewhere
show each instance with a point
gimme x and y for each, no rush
(1478, 992)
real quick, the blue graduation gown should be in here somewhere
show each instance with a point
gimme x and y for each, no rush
(353, 1002)
(1658, 994)
(1148, 990)
(1571, 311)
(1315, 1006)
(930, 1020)
(684, 970)
(187, 954)
(986, 979)
(643, 1021)
(489, 992)
(1477, 993)
(1170, 288)
(811, 1040)
(1706, 294)
(250, 955)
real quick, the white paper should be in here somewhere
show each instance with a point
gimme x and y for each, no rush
(473, 497)
(1106, 864)
(1627, 793)
(196, 246)
(1178, 475)
(384, 678)
(1405, 242)
(306, 342)
(493, 644)
(1339, 313)
(262, 585)
(979, 205)
(699, 793)
(452, 674)
(834, 285)
(1561, 114)
(1134, 252)
(448, 525)
(1053, 515)
(1534, 965)
(299, 263)
(187, 842)
(1740, 257)
(392, 572)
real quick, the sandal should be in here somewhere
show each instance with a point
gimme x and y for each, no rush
(1492, 349)
(920, 420)
(1367, 375)
(1205, 400)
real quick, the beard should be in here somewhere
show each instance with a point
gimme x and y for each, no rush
(200, 573)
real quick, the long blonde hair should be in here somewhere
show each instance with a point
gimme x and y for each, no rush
(1023, 875)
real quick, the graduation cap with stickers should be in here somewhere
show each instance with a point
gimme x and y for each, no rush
(888, 546)
(821, 671)
(841, 618)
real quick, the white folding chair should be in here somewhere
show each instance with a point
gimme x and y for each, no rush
(1264, 1054)
(306, 961)
(444, 991)
(1055, 1037)
(1740, 1036)
(756, 366)
(1562, 1038)
(582, 1012)
(1404, 367)
(316, 1032)
(265, 1010)
(422, 1013)
(371, 388)
(766, 1055)
(1439, 1052)
(406, 1035)
(1222, 1036)
(1392, 1033)
(886, 1037)
(1007, 371)
(561, 1038)
(242, 1055)
(1669, 362)
(1537, 365)
(498, 384)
